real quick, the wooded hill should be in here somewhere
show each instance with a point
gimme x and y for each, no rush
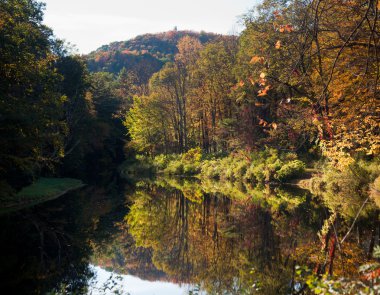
(143, 54)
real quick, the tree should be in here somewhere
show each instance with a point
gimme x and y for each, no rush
(211, 97)
(326, 74)
(31, 108)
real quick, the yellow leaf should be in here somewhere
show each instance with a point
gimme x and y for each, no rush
(278, 44)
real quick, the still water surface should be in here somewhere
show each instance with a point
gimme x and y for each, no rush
(170, 236)
(127, 284)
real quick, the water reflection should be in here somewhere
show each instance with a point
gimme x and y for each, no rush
(126, 284)
(48, 248)
(226, 245)
(213, 237)
(230, 238)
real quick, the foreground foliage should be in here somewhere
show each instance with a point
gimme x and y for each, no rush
(327, 285)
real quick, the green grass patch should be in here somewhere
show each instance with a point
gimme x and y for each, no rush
(48, 188)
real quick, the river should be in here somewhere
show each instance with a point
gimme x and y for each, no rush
(175, 236)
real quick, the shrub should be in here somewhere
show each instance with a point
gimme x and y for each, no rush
(160, 162)
(174, 168)
(225, 168)
(239, 169)
(264, 166)
(258, 173)
(249, 176)
(192, 155)
(191, 168)
(272, 168)
(210, 169)
(291, 170)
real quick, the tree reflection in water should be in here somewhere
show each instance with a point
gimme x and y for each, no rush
(231, 239)
(219, 238)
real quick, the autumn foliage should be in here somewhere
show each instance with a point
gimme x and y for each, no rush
(293, 80)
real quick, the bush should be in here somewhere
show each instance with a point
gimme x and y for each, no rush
(210, 169)
(272, 168)
(192, 155)
(160, 162)
(265, 166)
(290, 170)
(192, 168)
(225, 168)
(239, 169)
(174, 168)
(249, 176)
(258, 173)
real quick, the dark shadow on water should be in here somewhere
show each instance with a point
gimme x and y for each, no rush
(47, 247)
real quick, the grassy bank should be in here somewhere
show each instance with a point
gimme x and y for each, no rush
(42, 190)
(341, 189)
(257, 168)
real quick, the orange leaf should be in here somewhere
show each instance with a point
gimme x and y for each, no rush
(257, 59)
(274, 126)
(372, 275)
(276, 14)
(289, 28)
(278, 44)
(264, 91)
(262, 122)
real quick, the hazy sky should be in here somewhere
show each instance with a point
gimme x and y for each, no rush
(91, 23)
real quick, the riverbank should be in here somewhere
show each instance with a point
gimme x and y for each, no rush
(44, 189)
(268, 166)
(341, 189)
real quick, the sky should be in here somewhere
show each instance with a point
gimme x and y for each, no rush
(88, 24)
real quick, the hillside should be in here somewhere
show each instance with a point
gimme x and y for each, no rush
(143, 53)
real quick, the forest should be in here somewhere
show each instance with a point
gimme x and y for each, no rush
(292, 99)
